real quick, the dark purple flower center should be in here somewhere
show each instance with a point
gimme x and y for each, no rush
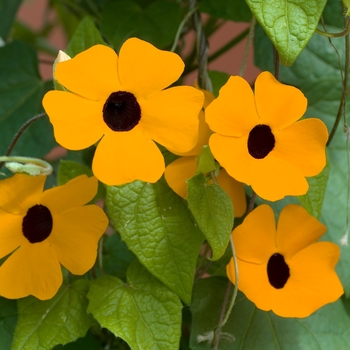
(37, 224)
(260, 141)
(121, 112)
(277, 271)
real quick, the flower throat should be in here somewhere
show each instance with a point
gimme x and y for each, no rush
(121, 112)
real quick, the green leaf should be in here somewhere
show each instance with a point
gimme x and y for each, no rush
(236, 10)
(218, 80)
(213, 211)
(249, 328)
(60, 320)
(85, 36)
(316, 72)
(88, 342)
(206, 162)
(21, 92)
(124, 19)
(143, 312)
(8, 10)
(312, 201)
(8, 320)
(289, 24)
(158, 228)
(116, 256)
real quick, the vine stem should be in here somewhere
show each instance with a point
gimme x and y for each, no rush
(345, 32)
(19, 133)
(342, 104)
(248, 44)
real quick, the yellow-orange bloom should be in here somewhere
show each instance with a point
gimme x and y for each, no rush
(285, 269)
(120, 101)
(258, 139)
(42, 230)
(182, 169)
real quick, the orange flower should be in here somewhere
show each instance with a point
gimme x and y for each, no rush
(120, 101)
(40, 230)
(258, 139)
(285, 269)
(182, 169)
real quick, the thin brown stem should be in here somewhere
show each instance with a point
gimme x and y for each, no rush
(276, 60)
(20, 132)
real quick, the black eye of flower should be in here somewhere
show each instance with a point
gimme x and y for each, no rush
(261, 141)
(277, 271)
(37, 224)
(121, 112)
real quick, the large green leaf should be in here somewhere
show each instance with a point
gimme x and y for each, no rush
(249, 328)
(123, 19)
(289, 23)
(60, 320)
(8, 10)
(143, 312)
(236, 10)
(158, 228)
(212, 208)
(316, 72)
(21, 92)
(85, 36)
(8, 320)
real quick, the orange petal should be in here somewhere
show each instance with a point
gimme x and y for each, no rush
(235, 190)
(296, 229)
(19, 192)
(78, 122)
(253, 282)
(75, 237)
(233, 113)
(170, 117)
(33, 269)
(143, 69)
(122, 157)
(313, 282)
(11, 236)
(232, 154)
(74, 193)
(91, 74)
(302, 145)
(273, 179)
(255, 238)
(177, 172)
(203, 138)
(278, 105)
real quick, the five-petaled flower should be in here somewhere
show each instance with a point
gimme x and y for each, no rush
(258, 139)
(120, 101)
(285, 269)
(183, 168)
(42, 230)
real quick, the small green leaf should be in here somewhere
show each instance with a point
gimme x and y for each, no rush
(312, 201)
(123, 19)
(213, 211)
(158, 228)
(236, 10)
(8, 10)
(218, 80)
(289, 24)
(85, 36)
(116, 256)
(60, 320)
(206, 162)
(69, 169)
(8, 320)
(143, 312)
(21, 92)
(249, 328)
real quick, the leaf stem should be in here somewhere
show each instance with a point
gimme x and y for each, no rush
(20, 132)
(345, 81)
(247, 46)
(345, 32)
